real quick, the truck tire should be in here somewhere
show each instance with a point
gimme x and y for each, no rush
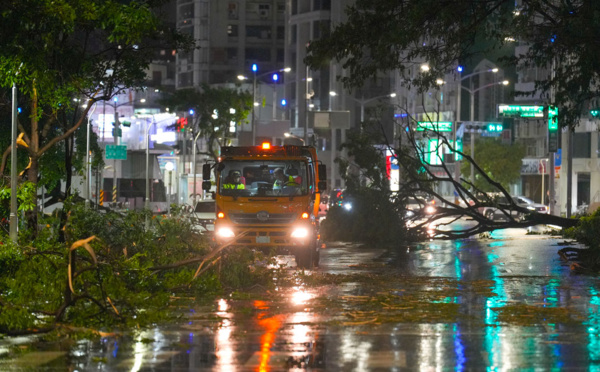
(306, 257)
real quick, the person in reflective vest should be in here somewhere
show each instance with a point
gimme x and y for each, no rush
(234, 181)
(282, 180)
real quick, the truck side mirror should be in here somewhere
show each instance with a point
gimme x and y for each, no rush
(205, 173)
(322, 177)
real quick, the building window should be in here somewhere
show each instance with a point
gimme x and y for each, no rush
(280, 32)
(582, 145)
(293, 34)
(259, 32)
(258, 54)
(233, 11)
(232, 30)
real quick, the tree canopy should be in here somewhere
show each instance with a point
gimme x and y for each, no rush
(500, 162)
(392, 35)
(60, 54)
(214, 109)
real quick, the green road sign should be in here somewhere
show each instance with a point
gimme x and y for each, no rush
(116, 152)
(440, 126)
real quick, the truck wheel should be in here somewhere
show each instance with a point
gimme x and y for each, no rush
(306, 257)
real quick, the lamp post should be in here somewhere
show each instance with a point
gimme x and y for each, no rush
(472, 118)
(194, 166)
(88, 170)
(147, 199)
(254, 82)
(169, 167)
(458, 109)
(13, 169)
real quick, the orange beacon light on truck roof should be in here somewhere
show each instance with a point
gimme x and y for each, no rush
(266, 146)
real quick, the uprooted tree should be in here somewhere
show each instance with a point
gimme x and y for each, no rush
(384, 36)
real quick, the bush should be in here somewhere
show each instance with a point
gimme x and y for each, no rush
(586, 232)
(108, 270)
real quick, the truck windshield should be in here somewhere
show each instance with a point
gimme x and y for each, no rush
(263, 178)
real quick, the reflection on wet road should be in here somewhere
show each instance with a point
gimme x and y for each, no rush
(505, 303)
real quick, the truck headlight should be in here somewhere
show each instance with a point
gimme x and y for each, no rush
(225, 232)
(347, 206)
(300, 232)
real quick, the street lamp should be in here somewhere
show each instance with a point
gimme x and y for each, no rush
(289, 135)
(363, 102)
(458, 109)
(472, 117)
(254, 103)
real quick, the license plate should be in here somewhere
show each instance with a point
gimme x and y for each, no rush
(263, 239)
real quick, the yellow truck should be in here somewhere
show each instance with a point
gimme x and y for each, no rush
(267, 197)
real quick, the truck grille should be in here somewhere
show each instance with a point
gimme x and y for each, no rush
(263, 219)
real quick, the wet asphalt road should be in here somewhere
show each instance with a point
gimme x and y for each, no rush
(505, 303)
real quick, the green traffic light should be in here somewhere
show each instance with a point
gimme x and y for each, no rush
(494, 128)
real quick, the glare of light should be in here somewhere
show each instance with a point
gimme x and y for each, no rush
(242, 77)
(191, 111)
(505, 82)
(225, 232)
(332, 93)
(232, 110)
(224, 349)
(300, 296)
(287, 69)
(299, 232)
(300, 331)
(138, 356)
(143, 100)
(283, 102)
(275, 77)
(459, 69)
(393, 95)
(347, 206)
(439, 81)
(254, 67)
(424, 67)
(255, 103)
(223, 305)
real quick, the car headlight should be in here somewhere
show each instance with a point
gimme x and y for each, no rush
(300, 232)
(430, 209)
(225, 232)
(347, 206)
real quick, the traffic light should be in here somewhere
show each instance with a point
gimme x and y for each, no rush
(181, 124)
(479, 127)
(494, 127)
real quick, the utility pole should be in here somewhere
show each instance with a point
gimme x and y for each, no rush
(117, 142)
(13, 169)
